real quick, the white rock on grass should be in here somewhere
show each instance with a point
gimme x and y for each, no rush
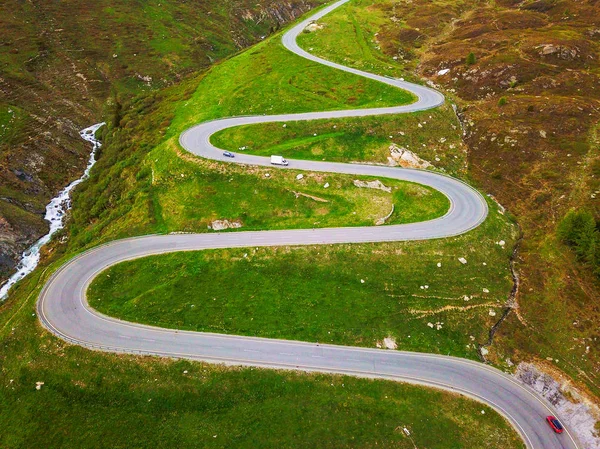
(485, 290)
(390, 343)
(326, 185)
(38, 385)
(430, 325)
(300, 176)
(439, 265)
(462, 260)
(377, 184)
(492, 312)
(219, 225)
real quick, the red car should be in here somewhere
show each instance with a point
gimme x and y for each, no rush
(555, 424)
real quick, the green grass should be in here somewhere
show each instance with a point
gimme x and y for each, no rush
(90, 399)
(12, 122)
(318, 294)
(95, 400)
(268, 79)
(348, 37)
(138, 187)
(356, 139)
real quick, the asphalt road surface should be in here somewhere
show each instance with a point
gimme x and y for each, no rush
(63, 308)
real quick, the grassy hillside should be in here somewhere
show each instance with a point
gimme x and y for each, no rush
(529, 102)
(343, 294)
(91, 399)
(144, 183)
(65, 64)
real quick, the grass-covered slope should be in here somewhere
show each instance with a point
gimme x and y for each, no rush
(343, 294)
(64, 65)
(146, 184)
(92, 399)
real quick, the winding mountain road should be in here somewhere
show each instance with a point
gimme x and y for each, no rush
(64, 311)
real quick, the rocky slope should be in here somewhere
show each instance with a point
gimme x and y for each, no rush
(63, 65)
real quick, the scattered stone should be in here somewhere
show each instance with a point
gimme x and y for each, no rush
(485, 290)
(560, 51)
(501, 243)
(467, 298)
(362, 281)
(430, 325)
(462, 260)
(390, 343)
(326, 185)
(185, 372)
(312, 27)
(267, 175)
(443, 72)
(492, 312)
(300, 176)
(542, 133)
(406, 158)
(38, 385)
(484, 352)
(285, 125)
(439, 264)
(219, 225)
(377, 184)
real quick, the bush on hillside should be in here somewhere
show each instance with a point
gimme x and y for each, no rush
(579, 230)
(471, 59)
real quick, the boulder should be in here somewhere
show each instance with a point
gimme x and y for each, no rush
(406, 158)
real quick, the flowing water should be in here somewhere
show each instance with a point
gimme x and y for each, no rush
(55, 214)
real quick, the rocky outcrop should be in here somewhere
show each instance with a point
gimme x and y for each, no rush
(406, 158)
(577, 411)
(221, 225)
(559, 51)
(377, 185)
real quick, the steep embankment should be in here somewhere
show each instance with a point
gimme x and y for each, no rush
(62, 64)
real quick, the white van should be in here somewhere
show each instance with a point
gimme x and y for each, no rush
(278, 160)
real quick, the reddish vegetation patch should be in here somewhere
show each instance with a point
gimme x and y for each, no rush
(530, 103)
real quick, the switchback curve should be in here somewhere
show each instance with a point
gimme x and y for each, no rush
(64, 311)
